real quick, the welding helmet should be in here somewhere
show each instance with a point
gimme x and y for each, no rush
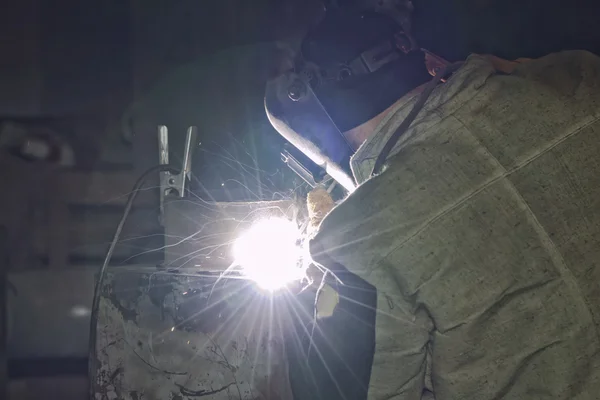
(351, 67)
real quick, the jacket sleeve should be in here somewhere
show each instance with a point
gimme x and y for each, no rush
(400, 361)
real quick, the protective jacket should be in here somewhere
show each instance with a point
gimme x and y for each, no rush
(482, 236)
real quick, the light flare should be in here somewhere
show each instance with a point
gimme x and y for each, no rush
(269, 253)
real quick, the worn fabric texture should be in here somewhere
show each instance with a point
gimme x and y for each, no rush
(482, 236)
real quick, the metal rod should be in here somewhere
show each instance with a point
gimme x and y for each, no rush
(191, 138)
(163, 145)
(163, 159)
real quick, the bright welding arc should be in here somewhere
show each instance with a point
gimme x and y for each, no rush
(270, 254)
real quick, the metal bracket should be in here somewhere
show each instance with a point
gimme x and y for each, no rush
(174, 184)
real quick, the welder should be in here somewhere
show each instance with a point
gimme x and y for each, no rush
(477, 219)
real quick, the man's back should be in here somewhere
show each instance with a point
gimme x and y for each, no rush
(483, 236)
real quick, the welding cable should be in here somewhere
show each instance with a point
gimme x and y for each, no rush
(92, 361)
(391, 142)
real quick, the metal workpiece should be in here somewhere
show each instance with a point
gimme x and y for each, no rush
(172, 335)
(184, 329)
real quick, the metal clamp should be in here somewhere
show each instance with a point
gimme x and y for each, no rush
(174, 184)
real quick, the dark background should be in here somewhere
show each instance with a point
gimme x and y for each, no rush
(102, 74)
(205, 62)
